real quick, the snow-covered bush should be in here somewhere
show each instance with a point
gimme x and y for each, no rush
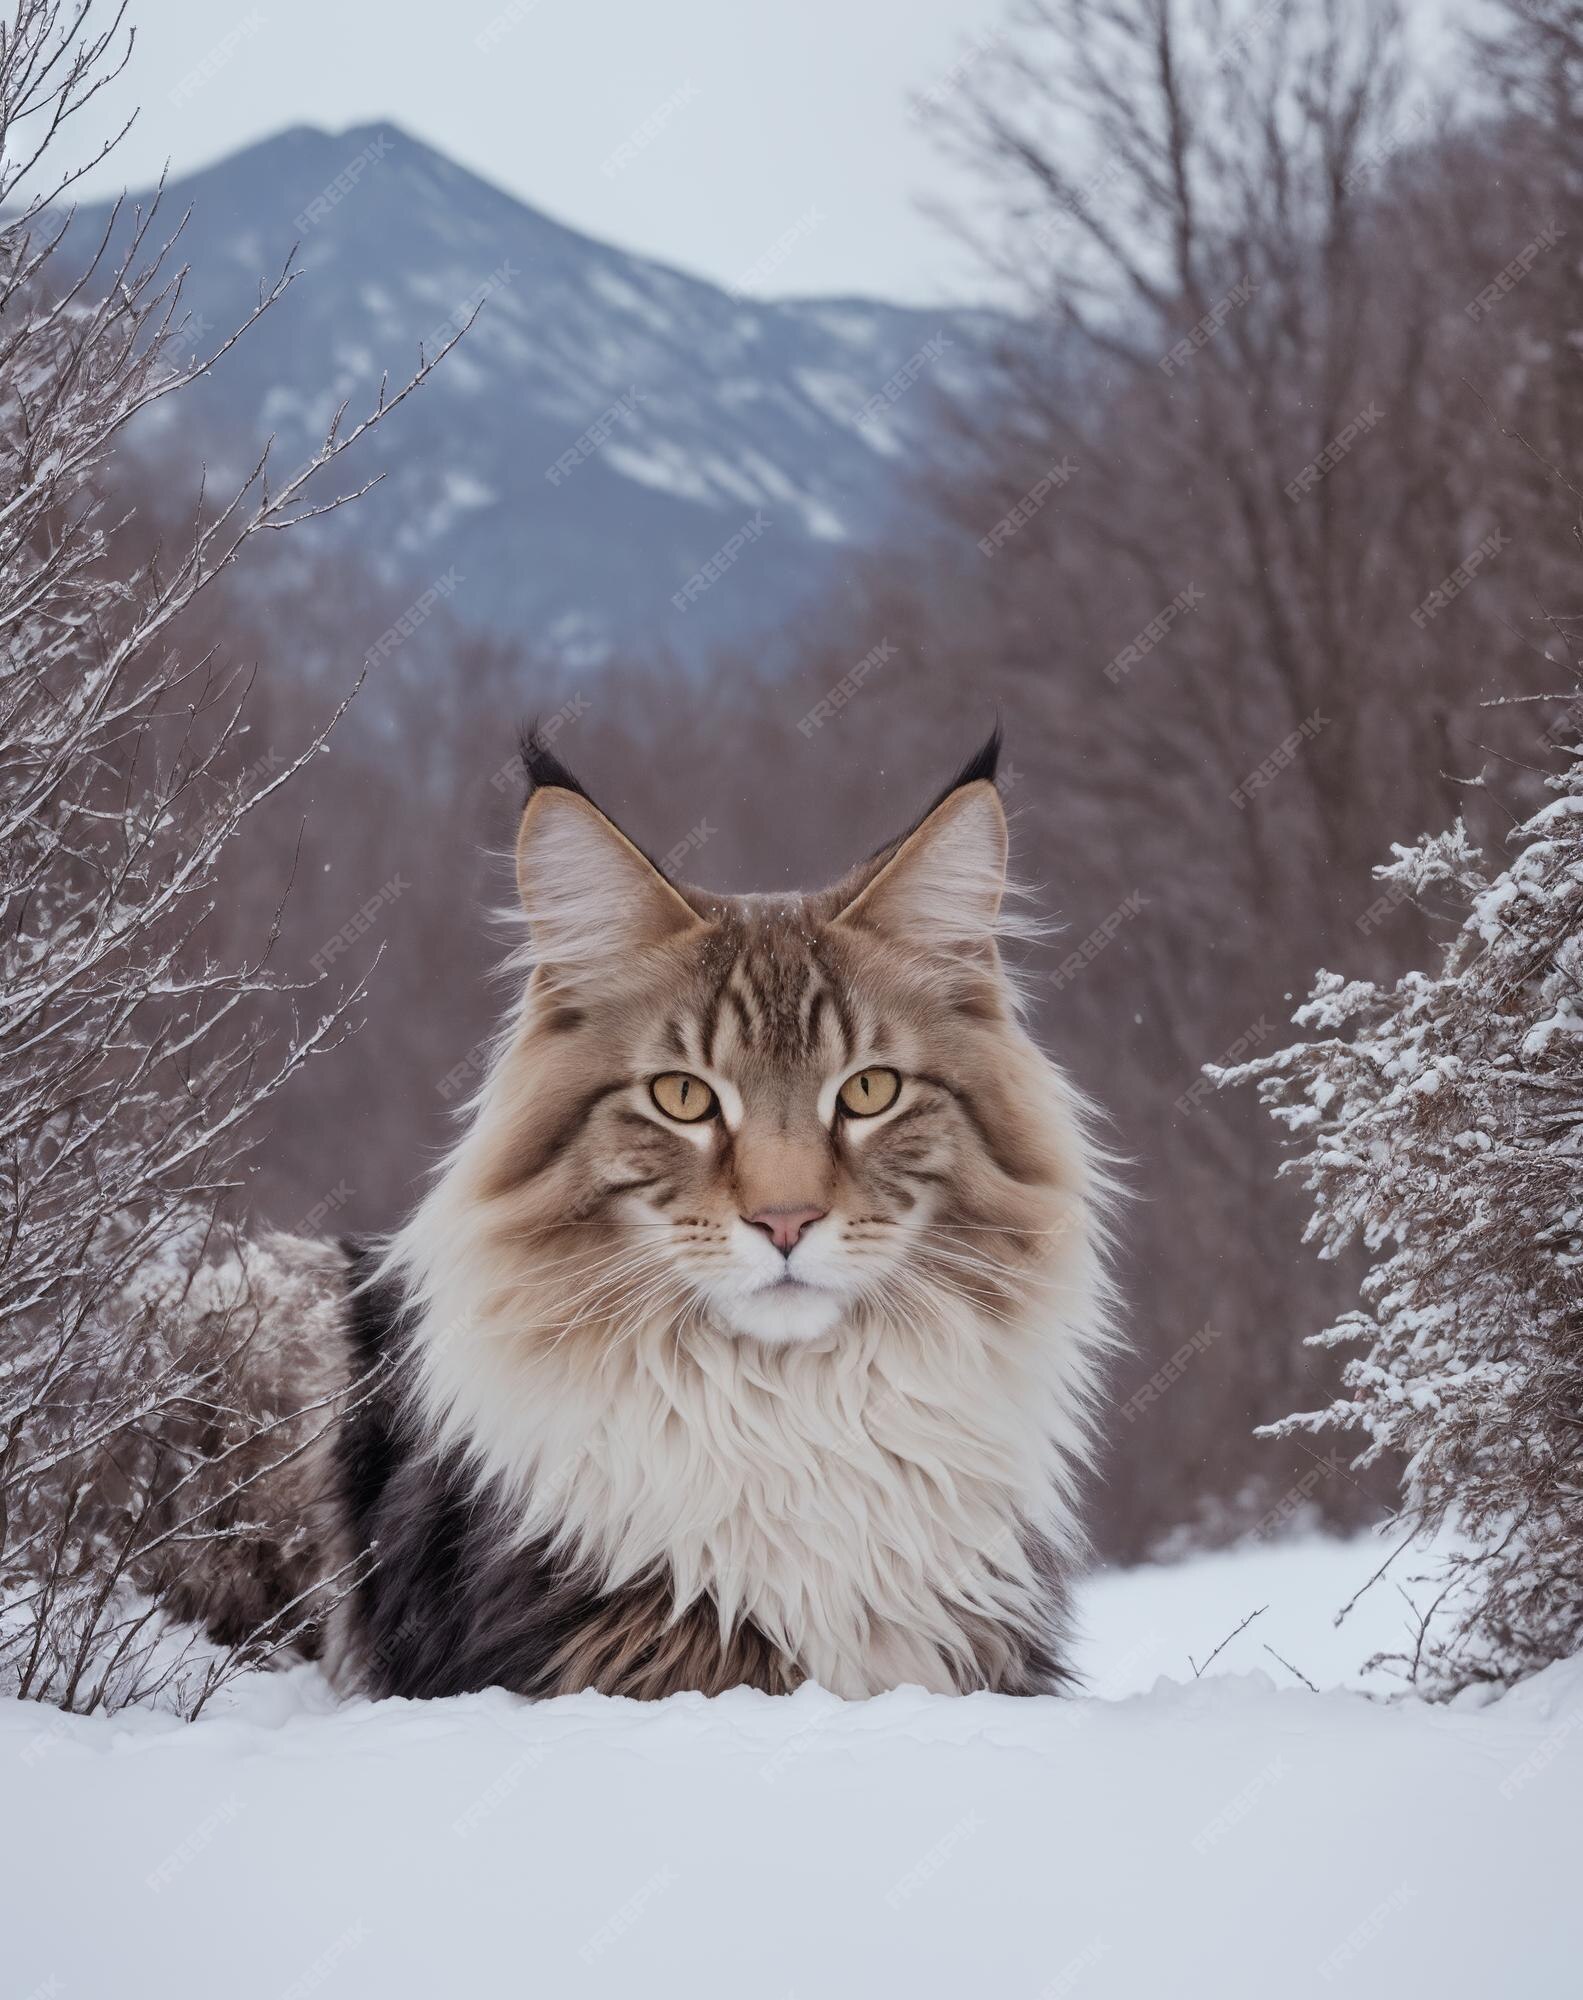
(1440, 1122)
(132, 1053)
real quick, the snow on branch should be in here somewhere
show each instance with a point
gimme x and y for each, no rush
(1439, 1122)
(134, 1056)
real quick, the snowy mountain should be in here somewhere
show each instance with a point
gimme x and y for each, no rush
(616, 455)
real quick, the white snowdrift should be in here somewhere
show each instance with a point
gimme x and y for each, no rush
(1224, 1837)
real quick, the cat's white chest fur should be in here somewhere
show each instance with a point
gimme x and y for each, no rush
(864, 1505)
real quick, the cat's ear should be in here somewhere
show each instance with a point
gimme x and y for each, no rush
(590, 896)
(940, 889)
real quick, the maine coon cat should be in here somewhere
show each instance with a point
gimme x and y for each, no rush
(750, 1334)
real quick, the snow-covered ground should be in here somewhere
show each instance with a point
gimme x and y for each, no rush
(1234, 1835)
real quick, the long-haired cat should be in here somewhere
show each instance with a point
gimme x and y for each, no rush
(750, 1334)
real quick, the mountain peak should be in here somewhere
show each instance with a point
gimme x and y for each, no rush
(599, 402)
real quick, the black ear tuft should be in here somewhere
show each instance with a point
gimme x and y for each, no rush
(543, 771)
(983, 764)
(541, 768)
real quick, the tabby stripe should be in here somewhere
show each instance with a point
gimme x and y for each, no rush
(761, 996)
(555, 1141)
(1024, 1177)
(813, 1020)
(744, 1014)
(709, 1027)
(843, 1014)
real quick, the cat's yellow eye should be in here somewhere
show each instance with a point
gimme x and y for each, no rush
(682, 1097)
(869, 1092)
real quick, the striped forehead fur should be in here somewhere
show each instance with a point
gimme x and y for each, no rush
(888, 1503)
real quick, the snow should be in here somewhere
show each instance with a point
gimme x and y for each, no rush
(1140, 1624)
(607, 283)
(1235, 1835)
(664, 465)
(462, 489)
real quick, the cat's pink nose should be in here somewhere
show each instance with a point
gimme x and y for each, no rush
(783, 1226)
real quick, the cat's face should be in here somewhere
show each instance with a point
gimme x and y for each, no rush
(778, 1116)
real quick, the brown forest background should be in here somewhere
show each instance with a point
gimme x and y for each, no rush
(1362, 265)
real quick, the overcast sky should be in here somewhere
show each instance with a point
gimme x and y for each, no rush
(742, 116)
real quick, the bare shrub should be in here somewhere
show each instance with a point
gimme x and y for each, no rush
(133, 1053)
